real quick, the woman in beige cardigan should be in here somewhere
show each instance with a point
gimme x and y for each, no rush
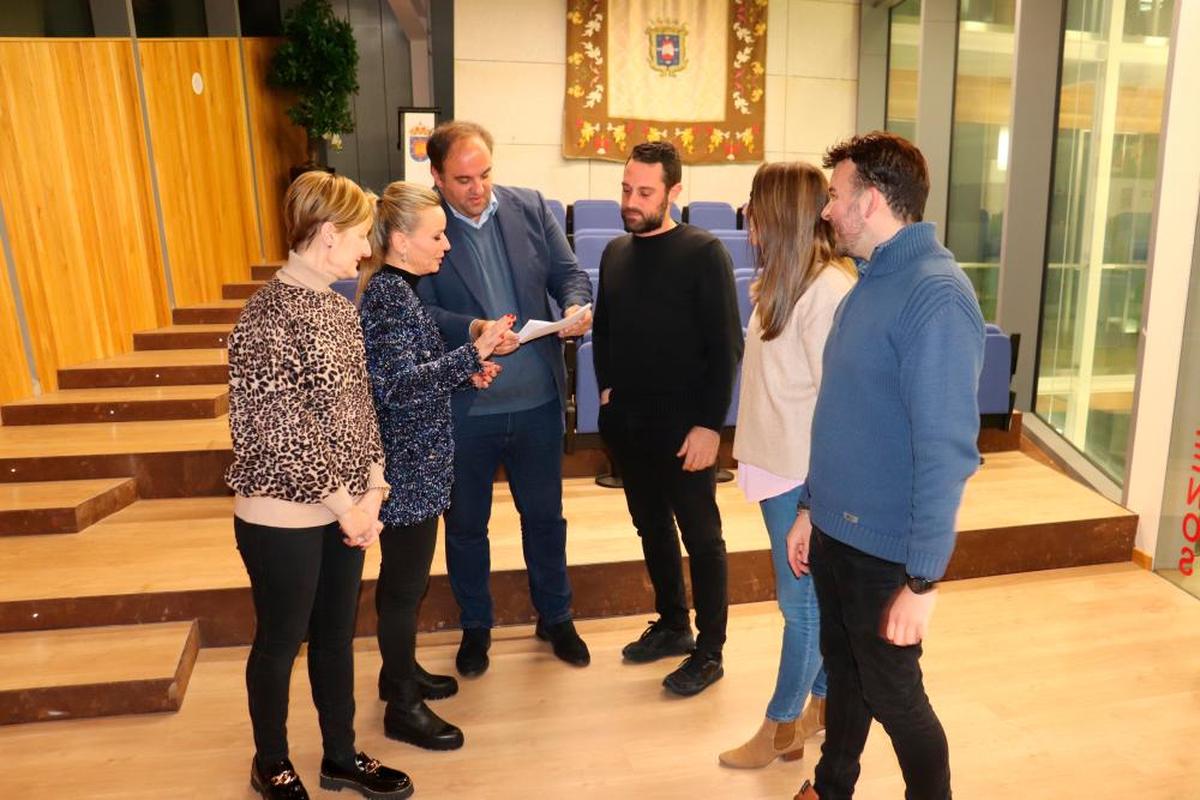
(799, 285)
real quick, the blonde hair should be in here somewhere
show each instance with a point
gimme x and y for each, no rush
(793, 244)
(399, 210)
(318, 197)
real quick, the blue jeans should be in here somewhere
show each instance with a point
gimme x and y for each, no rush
(529, 445)
(800, 667)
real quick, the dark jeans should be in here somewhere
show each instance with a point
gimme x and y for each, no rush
(403, 575)
(529, 445)
(304, 581)
(870, 677)
(659, 492)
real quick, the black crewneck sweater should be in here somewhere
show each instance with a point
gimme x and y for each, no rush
(667, 334)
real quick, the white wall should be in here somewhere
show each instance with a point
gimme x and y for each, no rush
(510, 76)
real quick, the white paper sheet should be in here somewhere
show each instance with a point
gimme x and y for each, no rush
(536, 328)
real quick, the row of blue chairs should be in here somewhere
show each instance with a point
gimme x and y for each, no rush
(590, 215)
(589, 246)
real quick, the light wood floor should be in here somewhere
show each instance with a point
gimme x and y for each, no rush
(1078, 683)
(187, 544)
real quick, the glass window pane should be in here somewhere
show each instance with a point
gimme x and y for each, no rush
(39, 18)
(904, 42)
(979, 142)
(1105, 177)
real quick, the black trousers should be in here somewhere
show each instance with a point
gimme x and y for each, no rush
(403, 576)
(871, 678)
(304, 581)
(659, 492)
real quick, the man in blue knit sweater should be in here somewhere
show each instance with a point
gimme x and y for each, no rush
(893, 443)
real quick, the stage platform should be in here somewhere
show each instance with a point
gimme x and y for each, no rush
(175, 559)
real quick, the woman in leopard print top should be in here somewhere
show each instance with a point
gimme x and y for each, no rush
(412, 378)
(308, 474)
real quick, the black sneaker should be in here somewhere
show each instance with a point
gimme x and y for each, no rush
(277, 781)
(368, 777)
(697, 672)
(568, 646)
(472, 658)
(659, 641)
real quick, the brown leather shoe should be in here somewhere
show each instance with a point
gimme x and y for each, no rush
(807, 792)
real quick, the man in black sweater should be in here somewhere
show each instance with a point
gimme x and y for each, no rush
(667, 342)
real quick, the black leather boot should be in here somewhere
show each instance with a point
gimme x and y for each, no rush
(408, 719)
(433, 687)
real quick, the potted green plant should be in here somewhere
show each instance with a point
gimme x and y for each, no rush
(319, 62)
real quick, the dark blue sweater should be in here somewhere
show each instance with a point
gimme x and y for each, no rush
(895, 428)
(412, 378)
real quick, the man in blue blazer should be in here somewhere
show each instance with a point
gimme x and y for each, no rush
(508, 256)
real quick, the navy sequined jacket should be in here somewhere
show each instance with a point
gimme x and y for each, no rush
(412, 378)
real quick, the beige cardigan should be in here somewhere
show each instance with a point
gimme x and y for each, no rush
(780, 379)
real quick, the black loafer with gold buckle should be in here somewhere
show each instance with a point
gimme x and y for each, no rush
(277, 781)
(368, 777)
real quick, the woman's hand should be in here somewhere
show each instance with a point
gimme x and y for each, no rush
(360, 528)
(487, 373)
(798, 540)
(496, 337)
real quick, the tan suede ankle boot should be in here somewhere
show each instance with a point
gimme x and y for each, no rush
(812, 721)
(773, 740)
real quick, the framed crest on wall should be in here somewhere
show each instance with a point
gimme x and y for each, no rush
(415, 126)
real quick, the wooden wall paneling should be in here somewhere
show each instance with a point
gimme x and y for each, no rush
(75, 185)
(278, 144)
(14, 371)
(202, 159)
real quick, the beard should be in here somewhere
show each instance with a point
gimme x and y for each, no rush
(637, 222)
(847, 233)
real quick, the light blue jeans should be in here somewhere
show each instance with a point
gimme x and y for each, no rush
(800, 667)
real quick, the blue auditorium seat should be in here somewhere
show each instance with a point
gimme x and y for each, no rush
(346, 288)
(712, 216)
(996, 374)
(560, 213)
(738, 245)
(745, 307)
(589, 246)
(587, 393)
(591, 214)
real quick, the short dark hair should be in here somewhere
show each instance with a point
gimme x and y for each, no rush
(446, 135)
(891, 164)
(660, 153)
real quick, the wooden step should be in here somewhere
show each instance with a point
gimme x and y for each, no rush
(61, 506)
(177, 337)
(95, 672)
(265, 271)
(149, 368)
(240, 291)
(124, 404)
(220, 312)
(1017, 515)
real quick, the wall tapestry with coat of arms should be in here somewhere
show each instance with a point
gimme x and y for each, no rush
(692, 72)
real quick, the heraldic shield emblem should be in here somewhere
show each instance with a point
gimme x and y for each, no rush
(668, 41)
(418, 140)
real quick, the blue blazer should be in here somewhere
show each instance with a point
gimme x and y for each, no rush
(543, 266)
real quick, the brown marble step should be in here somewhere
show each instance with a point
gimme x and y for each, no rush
(95, 672)
(240, 291)
(265, 271)
(123, 404)
(149, 368)
(177, 337)
(220, 312)
(61, 506)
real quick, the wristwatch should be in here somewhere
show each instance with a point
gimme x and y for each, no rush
(919, 585)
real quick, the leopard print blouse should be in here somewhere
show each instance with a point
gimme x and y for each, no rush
(300, 409)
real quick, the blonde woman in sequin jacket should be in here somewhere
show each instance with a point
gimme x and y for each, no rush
(412, 378)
